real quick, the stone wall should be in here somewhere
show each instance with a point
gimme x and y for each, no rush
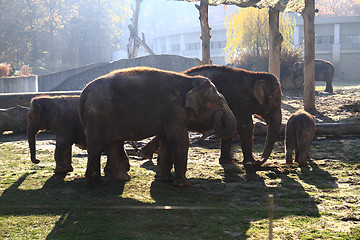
(164, 62)
(49, 81)
(77, 78)
(18, 84)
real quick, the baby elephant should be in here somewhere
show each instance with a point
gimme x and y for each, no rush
(59, 115)
(299, 133)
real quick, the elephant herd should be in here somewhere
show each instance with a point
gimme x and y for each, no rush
(136, 103)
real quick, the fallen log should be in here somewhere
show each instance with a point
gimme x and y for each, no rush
(13, 119)
(337, 129)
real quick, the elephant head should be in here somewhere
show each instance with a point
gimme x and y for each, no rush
(210, 106)
(36, 121)
(297, 69)
(268, 94)
(297, 74)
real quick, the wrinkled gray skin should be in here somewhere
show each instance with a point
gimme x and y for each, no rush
(299, 133)
(59, 115)
(136, 103)
(246, 93)
(324, 71)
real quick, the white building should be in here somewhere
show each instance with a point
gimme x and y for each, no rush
(338, 41)
(175, 29)
(186, 42)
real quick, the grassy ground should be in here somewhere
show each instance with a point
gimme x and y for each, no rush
(224, 202)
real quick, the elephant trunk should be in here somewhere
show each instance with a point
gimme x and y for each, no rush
(31, 134)
(273, 129)
(225, 123)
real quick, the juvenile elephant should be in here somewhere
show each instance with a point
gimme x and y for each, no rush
(246, 93)
(59, 115)
(299, 133)
(136, 103)
(324, 71)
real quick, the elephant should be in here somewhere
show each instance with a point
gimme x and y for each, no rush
(137, 103)
(324, 71)
(299, 133)
(59, 115)
(246, 93)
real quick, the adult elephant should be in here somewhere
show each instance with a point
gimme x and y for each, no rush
(247, 93)
(136, 103)
(59, 115)
(324, 71)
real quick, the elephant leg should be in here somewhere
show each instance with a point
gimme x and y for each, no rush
(92, 174)
(150, 148)
(289, 148)
(225, 156)
(304, 153)
(297, 155)
(166, 162)
(329, 87)
(118, 161)
(246, 133)
(63, 157)
(288, 153)
(180, 152)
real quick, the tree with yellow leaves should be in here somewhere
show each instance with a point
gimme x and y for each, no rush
(248, 33)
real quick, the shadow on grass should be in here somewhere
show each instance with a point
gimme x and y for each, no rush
(209, 209)
(316, 176)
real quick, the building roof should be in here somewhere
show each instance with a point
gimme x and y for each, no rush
(281, 5)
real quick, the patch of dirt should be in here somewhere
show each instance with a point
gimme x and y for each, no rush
(341, 106)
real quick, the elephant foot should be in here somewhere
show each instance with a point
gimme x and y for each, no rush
(303, 164)
(123, 176)
(289, 161)
(250, 161)
(168, 177)
(63, 170)
(36, 161)
(183, 182)
(251, 168)
(226, 160)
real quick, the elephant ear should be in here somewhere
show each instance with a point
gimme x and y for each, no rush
(191, 100)
(259, 92)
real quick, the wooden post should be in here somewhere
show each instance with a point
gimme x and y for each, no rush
(271, 215)
(276, 40)
(205, 32)
(309, 56)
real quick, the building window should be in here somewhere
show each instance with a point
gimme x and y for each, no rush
(192, 46)
(351, 38)
(163, 48)
(218, 44)
(175, 48)
(324, 39)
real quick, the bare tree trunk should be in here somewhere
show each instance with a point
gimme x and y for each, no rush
(276, 40)
(309, 59)
(205, 32)
(133, 45)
